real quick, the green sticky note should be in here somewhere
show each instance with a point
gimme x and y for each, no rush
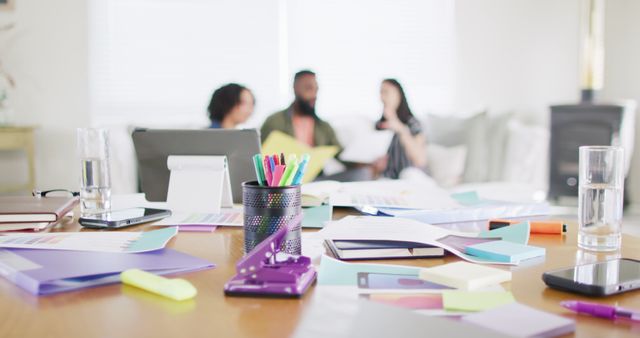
(471, 301)
(466, 198)
(335, 272)
(315, 217)
(516, 233)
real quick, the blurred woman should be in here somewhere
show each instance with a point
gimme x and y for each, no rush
(408, 145)
(231, 105)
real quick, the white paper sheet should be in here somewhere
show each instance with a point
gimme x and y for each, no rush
(368, 147)
(122, 242)
(226, 217)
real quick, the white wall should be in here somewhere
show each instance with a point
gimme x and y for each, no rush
(622, 69)
(47, 55)
(516, 55)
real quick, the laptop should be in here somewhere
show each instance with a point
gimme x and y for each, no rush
(153, 146)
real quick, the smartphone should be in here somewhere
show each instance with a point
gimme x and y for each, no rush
(368, 280)
(123, 218)
(597, 279)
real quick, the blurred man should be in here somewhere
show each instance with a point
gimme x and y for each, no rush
(299, 120)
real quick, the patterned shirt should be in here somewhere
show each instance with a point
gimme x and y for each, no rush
(398, 159)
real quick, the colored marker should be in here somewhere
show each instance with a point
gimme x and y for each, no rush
(297, 179)
(288, 172)
(537, 227)
(257, 163)
(282, 159)
(601, 310)
(277, 175)
(268, 170)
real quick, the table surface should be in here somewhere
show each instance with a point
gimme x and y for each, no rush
(123, 311)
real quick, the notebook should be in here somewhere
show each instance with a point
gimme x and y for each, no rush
(28, 209)
(42, 272)
(522, 321)
(504, 251)
(24, 226)
(464, 275)
(375, 249)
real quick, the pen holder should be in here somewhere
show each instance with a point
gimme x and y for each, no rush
(267, 209)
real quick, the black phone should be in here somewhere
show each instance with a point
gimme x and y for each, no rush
(597, 279)
(123, 218)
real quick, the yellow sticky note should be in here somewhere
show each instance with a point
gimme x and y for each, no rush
(278, 142)
(473, 301)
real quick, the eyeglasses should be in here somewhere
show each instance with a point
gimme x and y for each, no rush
(55, 192)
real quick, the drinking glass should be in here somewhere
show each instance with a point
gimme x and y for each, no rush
(95, 178)
(601, 183)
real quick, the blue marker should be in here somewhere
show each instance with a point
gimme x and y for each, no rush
(272, 164)
(297, 179)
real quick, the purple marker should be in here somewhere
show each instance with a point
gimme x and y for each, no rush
(601, 310)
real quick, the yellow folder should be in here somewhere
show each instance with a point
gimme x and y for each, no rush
(278, 142)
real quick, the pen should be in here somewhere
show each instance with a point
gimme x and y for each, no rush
(537, 227)
(282, 159)
(601, 310)
(276, 159)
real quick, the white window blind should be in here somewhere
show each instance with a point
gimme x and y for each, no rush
(160, 60)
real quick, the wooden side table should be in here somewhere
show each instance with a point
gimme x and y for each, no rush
(19, 138)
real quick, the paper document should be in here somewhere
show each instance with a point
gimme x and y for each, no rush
(368, 147)
(278, 142)
(226, 217)
(122, 242)
(395, 229)
(402, 194)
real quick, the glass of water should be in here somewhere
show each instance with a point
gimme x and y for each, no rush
(95, 178)
(601, 182)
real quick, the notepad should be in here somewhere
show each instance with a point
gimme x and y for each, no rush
(522, 321)
(470, 301)
(466, 276)
(503, 251)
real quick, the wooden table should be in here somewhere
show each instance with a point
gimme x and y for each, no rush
(20, 138)
(123, 311)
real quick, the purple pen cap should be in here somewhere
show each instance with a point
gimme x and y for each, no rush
(594, 309)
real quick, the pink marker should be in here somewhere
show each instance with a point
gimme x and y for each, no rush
(277, 175)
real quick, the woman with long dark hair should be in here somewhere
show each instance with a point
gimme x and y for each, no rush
(231, 105)
(407, 148)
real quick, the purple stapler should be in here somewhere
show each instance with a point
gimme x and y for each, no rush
(266, 271)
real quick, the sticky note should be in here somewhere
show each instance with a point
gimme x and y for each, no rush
(464, 275)
(335, 272)
(517, 233)
(519, 320)
(456, 300)
(503, 251)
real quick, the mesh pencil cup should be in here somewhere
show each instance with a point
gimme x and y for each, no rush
(267, 209)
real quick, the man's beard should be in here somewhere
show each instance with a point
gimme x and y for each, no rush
(305, 108)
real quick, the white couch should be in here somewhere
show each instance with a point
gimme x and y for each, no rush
(495, 155)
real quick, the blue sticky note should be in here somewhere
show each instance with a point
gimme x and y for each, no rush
(516, 233)
(504, 251)
(315, 217)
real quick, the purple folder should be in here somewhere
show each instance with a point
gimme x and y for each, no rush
(43, 272)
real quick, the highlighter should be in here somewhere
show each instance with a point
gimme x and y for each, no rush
(537, 227)
(176, 288)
